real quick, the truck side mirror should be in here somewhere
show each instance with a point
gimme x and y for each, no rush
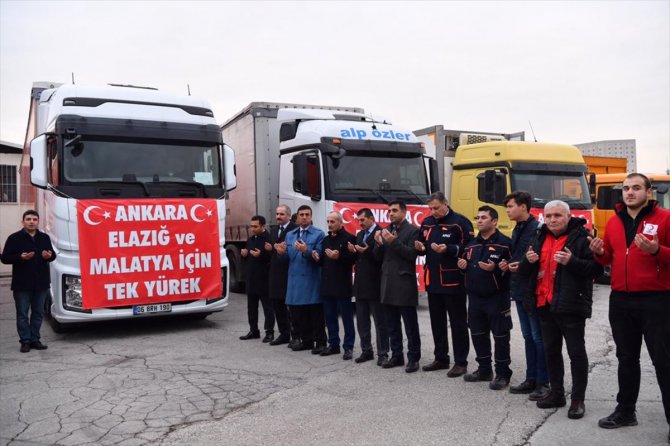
(608, 197)
(229, 168)
(307, 175)
(662, 189)
(434, 175)
(592, 187)
(492, 186)
(39, 162)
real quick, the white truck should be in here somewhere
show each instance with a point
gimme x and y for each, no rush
(328, 157)
(139, 169)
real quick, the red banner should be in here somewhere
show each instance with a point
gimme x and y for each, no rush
(147, 251)
(415, 215)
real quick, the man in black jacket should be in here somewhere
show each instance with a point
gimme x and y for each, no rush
(488, 295)
(257, 265)
(336, 289)
(536, 382)
(560, 268)
(366, 290)
(442, 238)
(399, 292)
(29, 251)
(279, 276)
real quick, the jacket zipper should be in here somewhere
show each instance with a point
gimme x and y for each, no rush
(626, 268)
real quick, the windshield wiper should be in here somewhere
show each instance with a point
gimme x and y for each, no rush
(188, 183)
(144, 186)
(377, 193)
(409, 192)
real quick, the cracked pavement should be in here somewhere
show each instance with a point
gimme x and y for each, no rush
(169, 382)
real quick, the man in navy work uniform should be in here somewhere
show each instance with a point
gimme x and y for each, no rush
(536, 383)
(29, 251)
(257, 265)
(488, 295)
(442, 238)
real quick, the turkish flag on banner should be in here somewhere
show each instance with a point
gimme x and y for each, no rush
(415, 215)
(147, 251)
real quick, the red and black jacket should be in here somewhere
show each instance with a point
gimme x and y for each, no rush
(634, 270)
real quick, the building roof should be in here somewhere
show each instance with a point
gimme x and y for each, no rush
(10, 147)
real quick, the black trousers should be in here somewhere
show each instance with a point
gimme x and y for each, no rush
(364, 309)
(633, 318)
(439, 305)
(555, 328)
(491, 315)
(310, 323)
(281, 315)
(393, 315)
(252, 313)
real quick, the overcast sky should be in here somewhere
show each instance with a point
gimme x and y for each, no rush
(579, 71)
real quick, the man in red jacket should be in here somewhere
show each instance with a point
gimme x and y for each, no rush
(637, 246)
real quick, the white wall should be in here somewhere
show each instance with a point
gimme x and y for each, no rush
(10, 213)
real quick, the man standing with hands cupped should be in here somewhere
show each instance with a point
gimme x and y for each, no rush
(637, 246)
(29, 251)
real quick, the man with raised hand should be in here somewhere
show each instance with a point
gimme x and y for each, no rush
(637, 246)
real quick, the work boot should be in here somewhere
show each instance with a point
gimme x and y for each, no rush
(552, 400)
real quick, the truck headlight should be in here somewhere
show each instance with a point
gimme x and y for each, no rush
(72, 293)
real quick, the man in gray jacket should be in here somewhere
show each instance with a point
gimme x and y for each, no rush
(399, 290)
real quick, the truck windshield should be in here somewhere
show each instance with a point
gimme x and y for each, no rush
(376, 178)
(544, 187)
(132, 161)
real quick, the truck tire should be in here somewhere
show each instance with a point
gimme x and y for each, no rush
(236, 283)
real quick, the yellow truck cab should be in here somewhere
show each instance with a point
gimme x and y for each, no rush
(484, 173)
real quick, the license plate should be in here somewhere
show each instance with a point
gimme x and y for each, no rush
(150, 309)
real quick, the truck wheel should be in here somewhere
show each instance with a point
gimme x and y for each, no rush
(236, 285)
(56, 326)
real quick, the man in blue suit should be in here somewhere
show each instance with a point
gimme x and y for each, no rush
(304, 282)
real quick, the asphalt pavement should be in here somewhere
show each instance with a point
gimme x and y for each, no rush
(175, 381)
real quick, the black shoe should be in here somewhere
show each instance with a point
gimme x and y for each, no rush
(301, 346)
(251, 335)
(330, 350)
(319, 349)
(394, 361)
(478, 376)
(435, 365)
(37, 345)
(499, 383)
(576, 410)
(525, 387)
(348, 354)
(25, 347)
(541, 390)
(268, 338)
(293, 342)
(381, 360)
(617, 419)
(552, 400)
(412, 366)
(280, 340)
(365, 356)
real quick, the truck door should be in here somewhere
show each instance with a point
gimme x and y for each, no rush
(303, 183)
(473, 188)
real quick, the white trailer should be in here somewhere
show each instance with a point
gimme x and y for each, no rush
(328, 157)
(117, 144)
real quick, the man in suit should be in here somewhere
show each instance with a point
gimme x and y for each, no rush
(279, 275)
(257, 268)
(336, 262)
(303, 293)
(442, 238)
(399, 290)
(366, 290)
